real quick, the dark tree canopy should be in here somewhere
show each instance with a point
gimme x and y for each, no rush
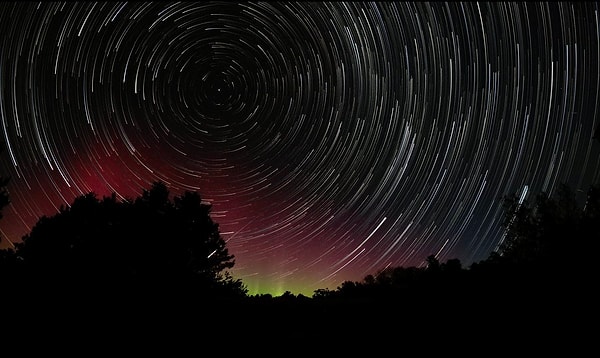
(150, 241)
(549, 247)
(553, 232)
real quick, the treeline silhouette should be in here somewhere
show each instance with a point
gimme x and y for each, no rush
(153, 241)
(167, 254)
(550, 243)
(145, 245)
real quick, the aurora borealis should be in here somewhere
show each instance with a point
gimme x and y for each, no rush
(333, 139)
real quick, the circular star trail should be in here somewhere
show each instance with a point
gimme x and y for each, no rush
(332, 139)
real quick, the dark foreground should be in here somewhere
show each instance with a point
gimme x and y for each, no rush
(487, 323)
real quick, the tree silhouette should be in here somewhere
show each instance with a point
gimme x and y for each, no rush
(553, 233)
(147, 243)
(9, 262)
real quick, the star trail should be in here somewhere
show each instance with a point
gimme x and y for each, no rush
(333, 139)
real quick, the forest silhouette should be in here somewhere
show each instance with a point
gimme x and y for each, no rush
(103, 257)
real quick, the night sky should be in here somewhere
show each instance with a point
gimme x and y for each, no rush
(332, 139)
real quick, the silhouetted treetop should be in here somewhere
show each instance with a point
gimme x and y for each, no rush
(552, 232)
(150, 240)
(549, 245)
